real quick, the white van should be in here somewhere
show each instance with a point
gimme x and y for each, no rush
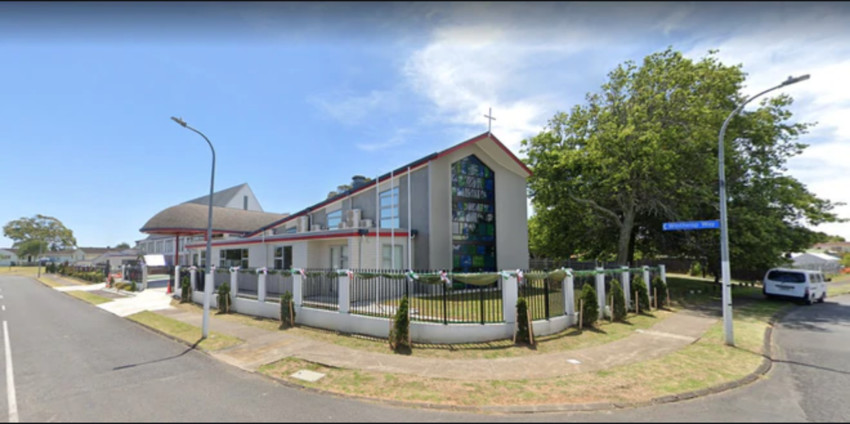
(808, 286)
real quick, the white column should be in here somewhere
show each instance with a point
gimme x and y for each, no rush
(234, 281)
(261, 285)
(510, 294)
(193, 279)
(344, 294)
(663, 271)
(569, 297)
(176, 279)
(124, 272)
(648, 284)
(209, 285)
(144, 276)
(626, 283)
(296, 289)
(600, 291)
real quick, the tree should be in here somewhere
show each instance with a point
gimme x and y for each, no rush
(643, 151)
(845, 260)
(122, 246)
(45, 232)
(590, 313)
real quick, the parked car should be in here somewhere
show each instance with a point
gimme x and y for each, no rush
(808, 286)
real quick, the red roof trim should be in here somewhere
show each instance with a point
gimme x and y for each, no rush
(482, 137)
(279, 238)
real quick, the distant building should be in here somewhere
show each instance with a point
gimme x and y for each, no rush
(816, 261)
(838, 248)
(8, 256)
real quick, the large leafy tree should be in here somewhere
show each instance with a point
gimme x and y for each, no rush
(643, 151)
(38, 234)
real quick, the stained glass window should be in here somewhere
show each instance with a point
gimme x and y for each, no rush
(473, 216)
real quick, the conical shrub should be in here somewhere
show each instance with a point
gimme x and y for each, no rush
(619, 306)
(661, 290)
(522, 335)
(591, 306)
(642, 294)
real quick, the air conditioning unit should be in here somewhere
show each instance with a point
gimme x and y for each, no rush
(365, 223)
(352, 218)
(316, 227)
(301, 224)
(343, 225)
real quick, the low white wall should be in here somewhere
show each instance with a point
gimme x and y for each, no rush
(256, 308)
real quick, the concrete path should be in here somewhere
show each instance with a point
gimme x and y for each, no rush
(82, 287)
(263, 347)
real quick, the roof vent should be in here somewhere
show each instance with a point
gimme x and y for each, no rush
(358, 181)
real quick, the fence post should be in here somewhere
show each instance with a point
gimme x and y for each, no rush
(600, 291)
(627, 290)
(648, 284)
(144, 277)
(193, 280)
(510, 295)
(662, 270)
(445, 304)
(481, 302)
(124, 272)
(569, 297)
(176, 279)
(234, 284)
(546, 298)
(261, 285)
(296, 287)
(344, 282)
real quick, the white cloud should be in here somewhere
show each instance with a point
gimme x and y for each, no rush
(353, 109)
(396, 140)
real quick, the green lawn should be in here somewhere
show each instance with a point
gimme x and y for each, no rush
(89, 297)
(187, 333)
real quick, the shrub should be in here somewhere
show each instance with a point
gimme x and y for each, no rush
(133, 286)
(224, 298)
(696, 269)
(591, 306)
(185, 290)
(287, 312)
(401, 327)
(110, 281)
(660, 287)
(522, 333)
(642, 293)
(619, 306)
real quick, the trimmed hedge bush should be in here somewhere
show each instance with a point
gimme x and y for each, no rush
(590, 314)
(661, 288)
(287, 318)
(642, 293)
(224, 298)
(185, 290)
(522, 334)
(401, 327)
(619, 306)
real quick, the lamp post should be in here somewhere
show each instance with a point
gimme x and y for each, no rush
(206, 321)
(724, 227)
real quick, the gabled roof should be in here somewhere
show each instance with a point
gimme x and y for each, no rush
(94, 250)
(401, 169)
(220, 198)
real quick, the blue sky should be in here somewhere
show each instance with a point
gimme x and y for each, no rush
(299, 97)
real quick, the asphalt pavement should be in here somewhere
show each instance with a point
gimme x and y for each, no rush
(75, 362)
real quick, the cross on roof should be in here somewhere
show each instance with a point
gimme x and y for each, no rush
(490, 119)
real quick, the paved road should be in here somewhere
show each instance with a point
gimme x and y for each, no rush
(74, 362)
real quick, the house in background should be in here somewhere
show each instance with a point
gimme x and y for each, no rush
(462, 209)
(8, 256)
(816, 261)
(838, 248)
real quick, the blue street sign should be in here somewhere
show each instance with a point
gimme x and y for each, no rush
(690, 225)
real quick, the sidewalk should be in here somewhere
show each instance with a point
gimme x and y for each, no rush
(262, 346)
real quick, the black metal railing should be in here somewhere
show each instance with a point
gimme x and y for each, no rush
(379, 292)
(320, 289)
(276, 285)
(545, 297)
(247, 281)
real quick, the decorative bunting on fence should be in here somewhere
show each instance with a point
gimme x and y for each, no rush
(264, 270)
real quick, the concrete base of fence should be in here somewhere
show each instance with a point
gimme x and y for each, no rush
(552, 326)
(257, 308)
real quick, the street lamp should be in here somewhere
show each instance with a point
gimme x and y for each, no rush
(724, 227)
(206, 321)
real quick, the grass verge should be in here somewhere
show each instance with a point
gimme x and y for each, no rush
(568, 339)
(703, 364)
(49, 282)
(89, 297)
(185, 332)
